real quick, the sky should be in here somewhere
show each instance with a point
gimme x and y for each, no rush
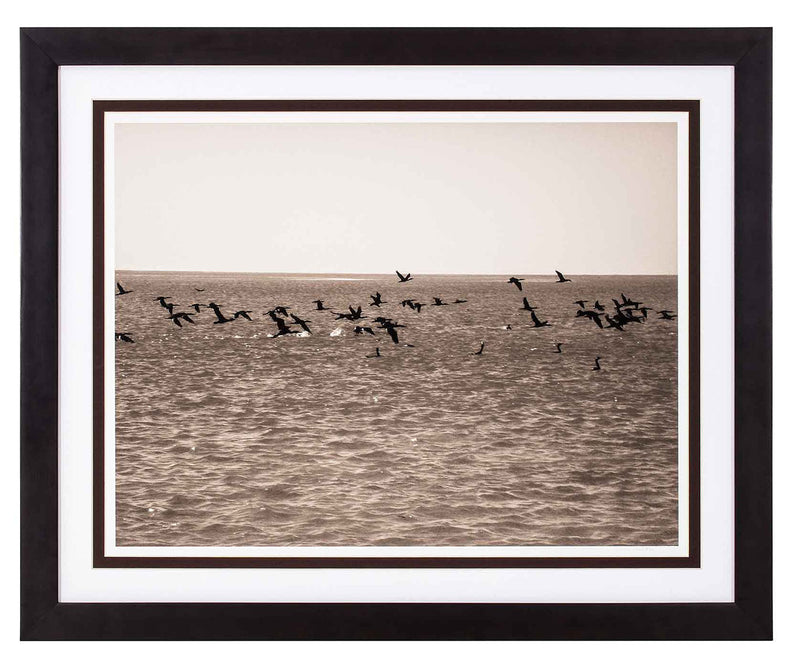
(370, 198)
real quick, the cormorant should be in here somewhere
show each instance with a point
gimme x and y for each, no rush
(561, 278)
(516, 282)
(480, 351)
(404, 279)
(538, 323)
(177, 317)
(121, 290)
(301, 322)
(220, 317)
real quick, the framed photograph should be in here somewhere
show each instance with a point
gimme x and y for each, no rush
(396, 333)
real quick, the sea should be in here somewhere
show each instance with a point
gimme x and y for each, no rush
(228, 436)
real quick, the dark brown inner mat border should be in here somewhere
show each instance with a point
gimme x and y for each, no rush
(100, 560)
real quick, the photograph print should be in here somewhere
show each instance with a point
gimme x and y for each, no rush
(435, 331)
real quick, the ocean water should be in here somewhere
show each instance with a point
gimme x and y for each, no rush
(227, 437)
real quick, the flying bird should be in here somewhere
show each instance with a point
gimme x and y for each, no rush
(123, 336)
(376, 300)
(162, 301)
(319, 303)
(404, 279)
(177, 317)
(666, 315)
(598, 305)
(437, 301)
(612, 322)
(480, 351)
(597, 363)
(242, 314)
(121, 290)
(364, 330)
(538, 323)
(221, 319)
(526, 306)
(581, 302)
(516, 282)
(592, 315)
(561, 278)
(460, 301)
(303, 323)
(558, 349)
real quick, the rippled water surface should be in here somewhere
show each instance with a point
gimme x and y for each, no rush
(225, 436)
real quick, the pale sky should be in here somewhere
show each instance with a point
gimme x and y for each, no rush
(435, 198)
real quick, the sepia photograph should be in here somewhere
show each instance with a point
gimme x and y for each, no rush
(420, 330)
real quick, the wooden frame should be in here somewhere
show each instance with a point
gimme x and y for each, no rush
(44, 50)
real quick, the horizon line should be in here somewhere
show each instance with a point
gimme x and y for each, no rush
(225, 271)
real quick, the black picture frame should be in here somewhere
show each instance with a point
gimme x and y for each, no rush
(747, 50)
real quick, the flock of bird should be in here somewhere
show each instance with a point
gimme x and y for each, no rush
(625, 311)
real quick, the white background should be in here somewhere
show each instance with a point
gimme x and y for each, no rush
(426, 13)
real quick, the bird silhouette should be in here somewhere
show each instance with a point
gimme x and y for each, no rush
(517, 282)
(460, 301)
(597, 363)
(221, 319)
(404, 279)
(666, 315)
(303, 323)
(613, 322)
(558, 349)
(417, 306)
(592, 315)
(121, 290)
(581, 303)
(538, 323)
(437, 301)
(281, 323)
(391, 328)
(561, 278)
(242, 314)
(364, 330)
(319, 303)
(200, 289)
(480, 350)
(123, 336)
(197, 307)
(526, 306)
(598, 305)
(162, 301)
(376, 300)
(177, 317)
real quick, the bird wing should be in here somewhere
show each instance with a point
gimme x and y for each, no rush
(392, 333)
(560, 275)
